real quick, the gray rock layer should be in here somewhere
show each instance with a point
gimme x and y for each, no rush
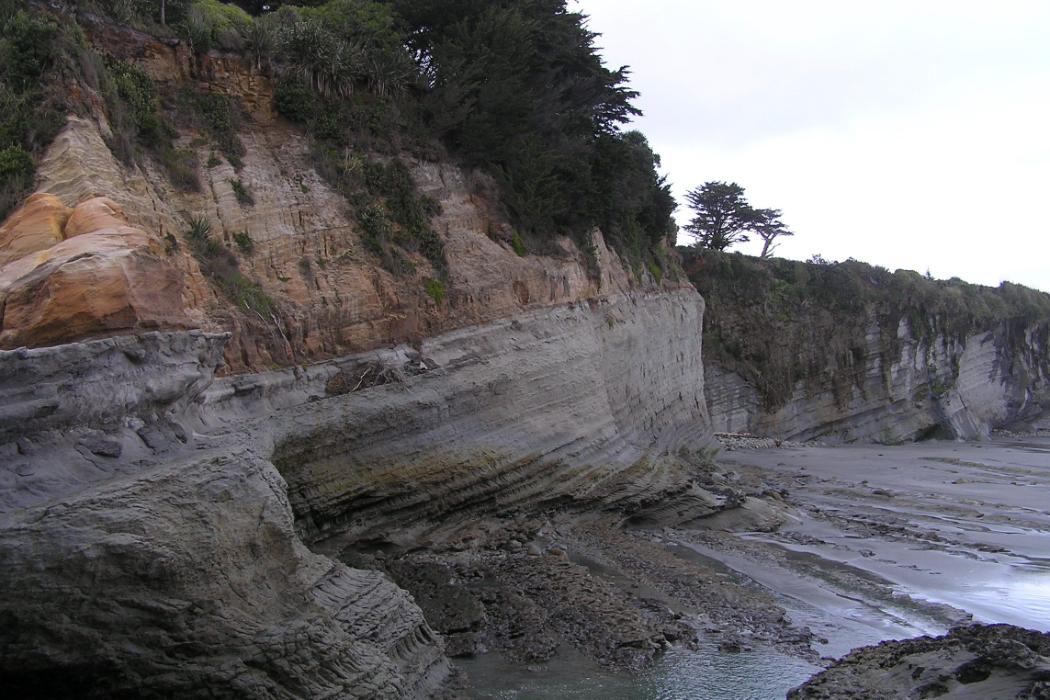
(575, 404)
(148, 545)
(931, 386)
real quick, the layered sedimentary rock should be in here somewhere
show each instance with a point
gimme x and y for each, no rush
(931, 385)
(330, 297)
(141, 559)
(575, 404)
(148, 543)
(37, 225)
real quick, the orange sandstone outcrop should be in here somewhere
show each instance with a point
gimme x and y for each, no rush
(37, 225)
(70, 274)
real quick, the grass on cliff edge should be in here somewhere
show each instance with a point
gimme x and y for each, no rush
(776, 322)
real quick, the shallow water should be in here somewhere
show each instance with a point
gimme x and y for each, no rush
(707, 673)
(1020, 598)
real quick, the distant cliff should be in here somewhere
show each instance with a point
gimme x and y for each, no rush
(849, 351)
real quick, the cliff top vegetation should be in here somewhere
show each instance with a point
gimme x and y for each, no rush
(776, 322)
(516, 88)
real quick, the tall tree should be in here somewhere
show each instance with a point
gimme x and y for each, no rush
(722, 215)
(769, 227)
(518, 86)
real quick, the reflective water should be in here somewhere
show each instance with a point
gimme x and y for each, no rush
(706, 673)
(1021, 597)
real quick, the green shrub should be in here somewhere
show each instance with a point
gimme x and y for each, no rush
(295, 101)
(435, 290)
(214, 114)
(16, 166)
(16, 177)
(181, 166)
(210, 23)
(199, 229)
(133, 105)
(248, 294)
(376, 227)
(28, 49)
(220, 266)
(213, 161)
(136, 89)
(518, 245)
(656, 271)
(244, 241)
(244, 196)
(36, 55)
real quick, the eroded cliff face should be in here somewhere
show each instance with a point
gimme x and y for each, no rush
(850, 351)
(164, 532)
(329, 295)
(931, 386)
(150, 545)
(575, 404)
(141, 559)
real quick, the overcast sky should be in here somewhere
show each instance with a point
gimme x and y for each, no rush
(907, 134)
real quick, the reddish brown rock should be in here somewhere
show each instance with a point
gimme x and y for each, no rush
(104, 278)
(36, 225)
(95, 214)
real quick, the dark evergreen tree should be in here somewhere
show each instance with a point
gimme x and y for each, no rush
(723, 215)
(769, 227)
(520, 88)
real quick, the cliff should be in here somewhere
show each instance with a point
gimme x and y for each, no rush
(207, 398)
(290, 275)
(218, 400)
(848, 351)
(151, 546)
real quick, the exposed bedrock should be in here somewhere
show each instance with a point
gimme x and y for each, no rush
(570, 405)
(149, 547)
(141, 559)
(980, 661)
(69, 274)
(905, 390)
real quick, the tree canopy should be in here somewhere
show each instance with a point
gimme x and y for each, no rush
(519, 87)
(724, 217)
